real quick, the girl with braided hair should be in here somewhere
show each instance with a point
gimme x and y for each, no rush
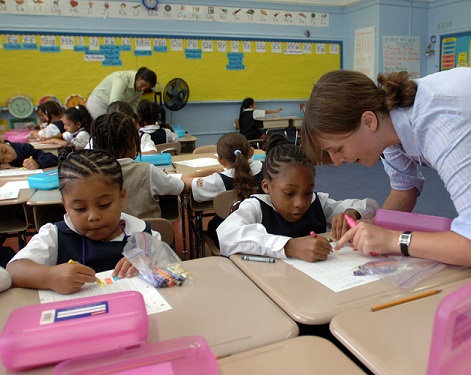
(93, 232)
(279, 223)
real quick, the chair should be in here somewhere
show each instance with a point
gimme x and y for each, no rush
(255, 143)
(173, 148)
(205, 149)
(164, 227)
(223, 204)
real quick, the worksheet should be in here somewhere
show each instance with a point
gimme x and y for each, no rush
(199, 162)
(155, 303)
(336, 273)
(18, 172)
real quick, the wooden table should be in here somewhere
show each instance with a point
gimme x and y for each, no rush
(188, 143)
(395, 340)
(221, 304)
(307, 301)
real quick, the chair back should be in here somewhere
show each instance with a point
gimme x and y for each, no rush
(164, 227)
(205, 149)
(173, 148)
(170, 207)
(224, 202)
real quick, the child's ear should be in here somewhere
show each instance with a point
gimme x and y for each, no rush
(222, 162)
(265, 186)
(251, 152)
(123, 197)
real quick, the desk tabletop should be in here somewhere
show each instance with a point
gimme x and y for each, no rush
(307, 301)
(187, 138)
(221, 304)
(301, 355)
(395, 340)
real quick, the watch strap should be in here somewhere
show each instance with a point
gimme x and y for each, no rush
(405, 246)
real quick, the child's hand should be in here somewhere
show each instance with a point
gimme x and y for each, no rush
(30, 164)
(69, 278)
(310, 249)
(340, 225)
(124, 268)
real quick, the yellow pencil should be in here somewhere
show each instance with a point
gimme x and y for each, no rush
(99, 281)
(405, 300)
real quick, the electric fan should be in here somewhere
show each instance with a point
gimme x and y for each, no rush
(176, 94)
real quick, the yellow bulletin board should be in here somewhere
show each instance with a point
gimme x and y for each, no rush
(215, 69)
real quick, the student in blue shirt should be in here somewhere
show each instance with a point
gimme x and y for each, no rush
(407, 123)
(17, 155)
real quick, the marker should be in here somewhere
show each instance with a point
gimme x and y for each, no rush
(352, 224)
(313, 234)
(405, 300)
(258, 259)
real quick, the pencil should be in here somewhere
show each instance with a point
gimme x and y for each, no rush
(405, 300)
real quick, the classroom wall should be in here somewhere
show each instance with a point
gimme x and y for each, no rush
(208, 121)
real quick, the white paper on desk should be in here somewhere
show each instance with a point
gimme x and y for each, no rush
(15, 185)
(178, 176)
(336, 273)
(155, 303)
(200, 162)
(19, 172)
(9, 194)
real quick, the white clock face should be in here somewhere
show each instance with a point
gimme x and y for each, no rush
(150, 4)
(21, 107)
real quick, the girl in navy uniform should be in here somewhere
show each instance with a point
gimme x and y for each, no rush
(17, 155)
(50, 118)
(239, 174)
(279, 223)
(149, 114)
(249, 123)
(93, 232)
(77, 121)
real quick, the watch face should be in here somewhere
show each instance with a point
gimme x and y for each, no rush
(20, 107)
(150, 4)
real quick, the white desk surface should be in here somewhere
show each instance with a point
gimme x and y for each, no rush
(281, 122)
(222, 305)
(305, 355)
(307, 301)
(395, 340)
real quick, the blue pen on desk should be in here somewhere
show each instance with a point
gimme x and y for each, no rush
(258, 259)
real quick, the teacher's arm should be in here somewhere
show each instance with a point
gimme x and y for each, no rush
(401, 200)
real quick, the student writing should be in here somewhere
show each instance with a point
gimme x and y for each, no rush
(50, 121)
(117, 134)
(93, 232)
(249, 119)
(279, 223)
(149, 115)
(240, 174)
(16, 155)
(406, 123)
(77, 121)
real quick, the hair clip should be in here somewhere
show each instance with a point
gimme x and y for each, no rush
(237, 152)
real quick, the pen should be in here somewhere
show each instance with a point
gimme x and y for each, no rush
(352, 224)
(258, 259)
(405, 300)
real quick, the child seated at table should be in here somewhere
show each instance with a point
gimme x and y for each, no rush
(147, 144)
(92, 234)
(249, 119)
(239, 174)
(149, 115)
(77, 121)
(50, 121)
(283, 222)
(117, 134)
(17, 155)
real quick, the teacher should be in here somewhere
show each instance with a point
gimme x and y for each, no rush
(406, 123)
(126, 86)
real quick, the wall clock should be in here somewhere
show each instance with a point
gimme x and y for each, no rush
(150, 4)
(20, 107)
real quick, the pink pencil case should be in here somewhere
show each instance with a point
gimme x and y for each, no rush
(397, 220)
(188, 355)
(48, 333)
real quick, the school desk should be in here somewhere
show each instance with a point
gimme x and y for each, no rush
(395, 340)
(46, 147)
(307, 301)
(221, 304)
(281, 122)
(188, 143)
(304, 355)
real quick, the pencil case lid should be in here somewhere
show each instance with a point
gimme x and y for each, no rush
(156, 159)
(188, 355)
(47, 333)
(44, 181)
(397, 220)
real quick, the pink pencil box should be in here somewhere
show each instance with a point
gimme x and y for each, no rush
(188, 355)
(397, 220)
(48, 333)
(451, 340)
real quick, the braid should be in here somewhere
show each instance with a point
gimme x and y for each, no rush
(280, 151)
(114, 133)
(227, 145)
(85, 163)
